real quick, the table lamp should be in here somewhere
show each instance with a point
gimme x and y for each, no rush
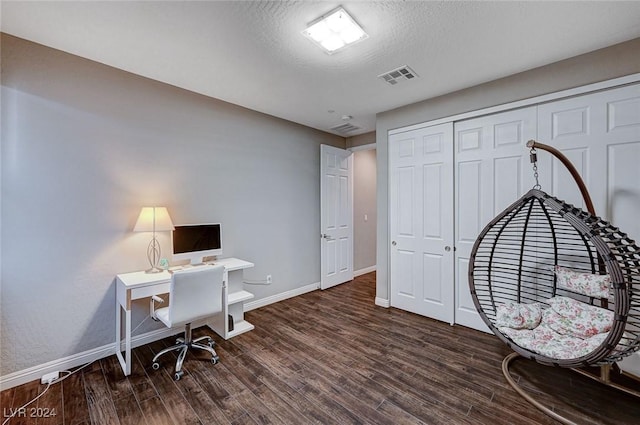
(153, 219)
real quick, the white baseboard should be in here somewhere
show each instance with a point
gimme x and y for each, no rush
(280, 297)
(382, 302)
(35, 373)
(27, 375)
(366, 270)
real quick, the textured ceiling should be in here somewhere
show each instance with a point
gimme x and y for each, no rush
(252, 53)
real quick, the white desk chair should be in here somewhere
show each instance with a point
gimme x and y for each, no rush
(195, 293)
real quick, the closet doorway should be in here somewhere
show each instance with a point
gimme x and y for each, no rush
(443, 194)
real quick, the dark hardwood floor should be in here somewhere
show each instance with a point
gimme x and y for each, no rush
(327, 357)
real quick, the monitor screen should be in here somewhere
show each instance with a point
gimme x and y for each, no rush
(195, 241)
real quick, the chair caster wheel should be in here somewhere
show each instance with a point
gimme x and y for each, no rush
(178, 375)
(155, 365)
(215, 359)
(211, 343)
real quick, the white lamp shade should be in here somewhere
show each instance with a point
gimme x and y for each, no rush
(153, 219)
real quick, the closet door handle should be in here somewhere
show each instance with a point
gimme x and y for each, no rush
(447, 248)
(393, 243)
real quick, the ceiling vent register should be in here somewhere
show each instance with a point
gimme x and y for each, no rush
(345, 128)
(398, 75)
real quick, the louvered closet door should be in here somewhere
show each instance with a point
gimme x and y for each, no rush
(600, 134)
(421, 214)
(492, 170)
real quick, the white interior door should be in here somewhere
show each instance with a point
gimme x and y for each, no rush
(600, 134)
(492, 170)
(421, 190)
(336, 216)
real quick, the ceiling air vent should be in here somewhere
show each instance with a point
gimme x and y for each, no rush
(398, 75)
(345, 128)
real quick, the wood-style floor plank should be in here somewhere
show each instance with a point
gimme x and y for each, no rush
(329, 357)
(76, 409)
(49, 407)
(141, 384)
(23, 394)
(154, 412)
(174, 403)
(101, 407)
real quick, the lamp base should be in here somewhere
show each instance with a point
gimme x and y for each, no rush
(153, 253)
(154, 270)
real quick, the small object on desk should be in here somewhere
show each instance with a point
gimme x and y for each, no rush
(164, 264)
(230, 318)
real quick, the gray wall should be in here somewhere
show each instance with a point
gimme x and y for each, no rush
(615, 61)
(85, 146)
(364, 202)
(361, 139)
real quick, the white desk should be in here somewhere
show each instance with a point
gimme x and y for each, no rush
(136, 285)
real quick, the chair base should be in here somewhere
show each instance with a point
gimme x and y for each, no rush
(183, 345)
(604, 378)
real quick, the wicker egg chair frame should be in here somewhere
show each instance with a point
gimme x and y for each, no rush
(513, 259)
(508, 264)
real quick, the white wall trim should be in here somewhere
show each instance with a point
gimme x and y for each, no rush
(280, 297)
(27, 375)
(576, 91)
(382, 302)
(23, 376)
(366, 147)
(366, 270)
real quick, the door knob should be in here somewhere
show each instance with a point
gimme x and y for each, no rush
(327, 237)
(394, 243)
(447, 248)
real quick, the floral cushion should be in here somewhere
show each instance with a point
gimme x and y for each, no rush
(593, 285)
(568, 330)
(544, 340)
(577, 318)
(518, 316)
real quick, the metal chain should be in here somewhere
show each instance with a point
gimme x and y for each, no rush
(533, 157)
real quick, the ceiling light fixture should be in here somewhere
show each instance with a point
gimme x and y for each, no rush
(335, 31)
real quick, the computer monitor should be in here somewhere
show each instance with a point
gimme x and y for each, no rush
(193, 242)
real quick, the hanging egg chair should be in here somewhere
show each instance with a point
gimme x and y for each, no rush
(557, 284)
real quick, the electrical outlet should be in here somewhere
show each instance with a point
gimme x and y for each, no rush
(268, 279)
(47, 378)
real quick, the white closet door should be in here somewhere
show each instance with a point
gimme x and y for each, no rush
(600, 134)
(492, 170)
(421, 214)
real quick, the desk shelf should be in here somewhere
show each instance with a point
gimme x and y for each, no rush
(235, 308)
(240, 327)
(238, 297)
